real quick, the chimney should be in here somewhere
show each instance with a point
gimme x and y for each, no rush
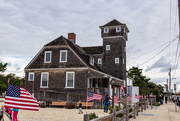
(72, 37)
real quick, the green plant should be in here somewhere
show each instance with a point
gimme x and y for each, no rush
(92, 116)
(156, 104)
(117, 109)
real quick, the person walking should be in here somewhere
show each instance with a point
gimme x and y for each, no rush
(80, 107)
(106, 102)
(15, 112)
(166, 99)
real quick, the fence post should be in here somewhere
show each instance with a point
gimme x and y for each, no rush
(114, 116)
(141, 106)
(127, 113)
(134, 110)
(147, 103)
(144, 104)
(86, 117)
(137, 108)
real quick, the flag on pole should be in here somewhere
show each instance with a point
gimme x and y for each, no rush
(93, 96)
(137, 96)
(141, 96)
(115, 99)
(18, 97)
(128, 98)
(123, 91)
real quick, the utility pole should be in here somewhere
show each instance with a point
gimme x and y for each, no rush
(179, 15)
(169, 83)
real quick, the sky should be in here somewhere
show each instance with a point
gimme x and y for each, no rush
(27, 25)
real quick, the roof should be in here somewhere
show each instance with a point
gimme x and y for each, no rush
(93, 50)
(114, 22)
(76, 48)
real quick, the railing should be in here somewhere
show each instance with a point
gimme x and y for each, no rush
(112, 117)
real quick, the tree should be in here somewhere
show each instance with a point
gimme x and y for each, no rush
(3, 67)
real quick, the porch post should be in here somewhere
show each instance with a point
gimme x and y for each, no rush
(113, 98)
(110, 89)
(119, 97)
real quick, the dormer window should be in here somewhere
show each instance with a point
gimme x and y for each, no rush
(106, 30)
(118, 29)
(99, 61)
(63, 55)
(47, 57)
(91, 61)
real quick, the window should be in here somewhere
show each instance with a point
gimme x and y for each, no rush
(106, 30)
(47, 58)
(107, 47)
(116, 60)
(91, 60)
(63, 55)
(99, 61)
(123, 60)
(44, 79)
(124, 31)
(31, 76)
(70, 79)
(118, 29)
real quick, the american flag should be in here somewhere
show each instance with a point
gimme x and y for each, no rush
(123, 91)
(115, 98)
(141, 96)
(18, 97)
(93, 96)
(137, 96)
(128, 98)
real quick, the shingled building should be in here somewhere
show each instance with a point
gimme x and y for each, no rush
(62, 70)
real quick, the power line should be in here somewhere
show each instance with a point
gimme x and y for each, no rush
(159, 52)
(148, 51)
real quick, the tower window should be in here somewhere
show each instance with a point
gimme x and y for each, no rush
(99, 61)
(106, 30)
(107, 47)
(118, 29)
(116, 60)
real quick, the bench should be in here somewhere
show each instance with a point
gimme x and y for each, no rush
(55, 103)
(89, 104)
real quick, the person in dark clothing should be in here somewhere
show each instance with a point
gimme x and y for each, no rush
(80, 107)
(106, 102)
(166, 99)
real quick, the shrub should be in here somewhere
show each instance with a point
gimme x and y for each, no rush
(156, 104)
(92, 116)
(117, 109)
(70, 106)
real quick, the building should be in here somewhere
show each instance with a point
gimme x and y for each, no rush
(62, 70)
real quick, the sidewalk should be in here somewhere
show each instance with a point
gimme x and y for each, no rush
(165, 112)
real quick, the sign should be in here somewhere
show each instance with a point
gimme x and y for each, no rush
(174, 87)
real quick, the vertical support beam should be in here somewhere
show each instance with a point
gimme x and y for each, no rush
(119, 97)
(44, 97)
(127, 113)
(179, 16)
(141, 105)
(86, 117)
(151, 103)
(67, 97)
(114, 117)
(147, 102)
(144, 104)
(137, 108)
(134, 110)
(113, 98)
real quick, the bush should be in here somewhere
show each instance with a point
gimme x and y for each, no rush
(92, 116)
(70, 106)
(156, 104)
(117, 109)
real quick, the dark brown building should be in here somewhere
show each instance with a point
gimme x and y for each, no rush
(62, 70)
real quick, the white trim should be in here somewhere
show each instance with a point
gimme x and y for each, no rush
(114, 37)
(29, 76)
(123, 60)
(45, 56)
(35, 57)
(108, 47)
(117, 29)
(47, 79)
(91, 60)
(55, 68)
(61, 54)
(67, 78)
(78, 56)
(106, 28)
(116, 60)
(99, 60)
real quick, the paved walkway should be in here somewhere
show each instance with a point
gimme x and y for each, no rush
(164, 112)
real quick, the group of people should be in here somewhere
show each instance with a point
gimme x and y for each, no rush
(9, 112)
(162, 98)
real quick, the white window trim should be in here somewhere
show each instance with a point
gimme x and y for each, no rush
(61, 54)
(67, 78)
(107, 30)
(45, 57)
(29, 76)
(123, 60)
(99, 60)
(91, 62)
(117, 59)
(117, 29)
(47, 79)
(124, 49)
(107, 47)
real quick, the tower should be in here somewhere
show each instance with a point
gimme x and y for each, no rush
(114, 36)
